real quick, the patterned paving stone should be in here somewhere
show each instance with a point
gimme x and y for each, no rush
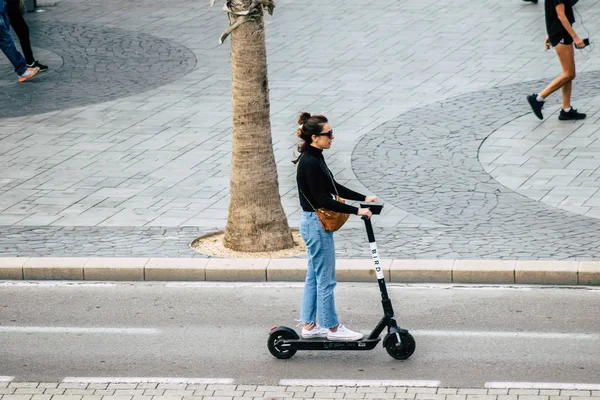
(45, 241)
(554, 162)
(96, 65)
(435, 173)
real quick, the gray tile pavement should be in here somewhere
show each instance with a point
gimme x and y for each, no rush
(178, 391)
(572, 184)
(127, 159)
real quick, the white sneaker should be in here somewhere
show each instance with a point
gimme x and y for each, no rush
(344, 334)
(316, 332)
(28, 74)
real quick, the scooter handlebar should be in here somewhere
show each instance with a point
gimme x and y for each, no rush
(375, 208)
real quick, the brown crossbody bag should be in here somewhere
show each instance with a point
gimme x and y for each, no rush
(330, 220)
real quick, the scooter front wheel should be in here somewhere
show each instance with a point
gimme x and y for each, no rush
(276, 346)
(402, 350)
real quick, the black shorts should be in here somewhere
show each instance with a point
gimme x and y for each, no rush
(561, 39)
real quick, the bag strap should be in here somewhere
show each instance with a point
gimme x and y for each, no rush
(331, 177)
(307, 200)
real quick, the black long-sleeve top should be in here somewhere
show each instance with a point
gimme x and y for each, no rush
(315, 181)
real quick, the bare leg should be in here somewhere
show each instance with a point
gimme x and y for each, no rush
(566, 56)
(566, 95)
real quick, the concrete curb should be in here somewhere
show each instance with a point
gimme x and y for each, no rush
(294, 270)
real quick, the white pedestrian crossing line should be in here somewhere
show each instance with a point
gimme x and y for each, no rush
(352, 382)
(509, 335)
(200, 381)
(542, 385)
(78, 330)
(6, 378)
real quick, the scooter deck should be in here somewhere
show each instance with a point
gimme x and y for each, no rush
(324, 344)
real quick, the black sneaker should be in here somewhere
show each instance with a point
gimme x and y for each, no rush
(531, 1)
(42, 67)
(536, 105)
(571, 115)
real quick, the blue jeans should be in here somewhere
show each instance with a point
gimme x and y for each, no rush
(320, 281)
(7, 44)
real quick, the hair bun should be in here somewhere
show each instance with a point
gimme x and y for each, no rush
(304, 116)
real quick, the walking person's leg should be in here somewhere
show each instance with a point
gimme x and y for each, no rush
(566, 55)
(18, 23)
(566, 95)
(15, 15)
(7, 45)
(567, 60)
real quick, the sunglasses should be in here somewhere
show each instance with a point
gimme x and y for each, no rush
(328, 134)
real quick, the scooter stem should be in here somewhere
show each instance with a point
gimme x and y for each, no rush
(374, 253)
(369, 228)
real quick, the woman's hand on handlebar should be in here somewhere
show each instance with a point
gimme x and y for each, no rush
(371, 199)
(364, 212)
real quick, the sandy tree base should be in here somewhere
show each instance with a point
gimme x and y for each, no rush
(212, 245)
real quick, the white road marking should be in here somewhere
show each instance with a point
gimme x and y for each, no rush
(510, 335)
(480, 287)
(542, 385)
(64, 329)
(201, 381)
(6, 378)
(350, 382)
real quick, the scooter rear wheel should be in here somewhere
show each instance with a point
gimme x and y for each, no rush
(402, 350)
(275, 344)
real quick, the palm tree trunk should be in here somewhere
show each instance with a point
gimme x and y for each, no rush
(256, 220)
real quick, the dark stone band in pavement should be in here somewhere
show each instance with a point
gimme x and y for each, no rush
(99, 65)
(84, 241)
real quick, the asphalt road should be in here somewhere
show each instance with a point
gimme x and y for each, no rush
(466, 336)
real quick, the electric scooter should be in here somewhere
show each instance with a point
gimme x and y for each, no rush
(284, 342)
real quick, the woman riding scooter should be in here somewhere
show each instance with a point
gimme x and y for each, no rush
(316, 187)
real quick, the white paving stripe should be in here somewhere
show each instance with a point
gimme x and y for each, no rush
(350, 382)
(6, 378)
(201, 381)
(64, 329)
(542, 385)
(415, 332)
(500, 334)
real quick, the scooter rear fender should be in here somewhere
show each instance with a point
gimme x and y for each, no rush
(291, 331)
